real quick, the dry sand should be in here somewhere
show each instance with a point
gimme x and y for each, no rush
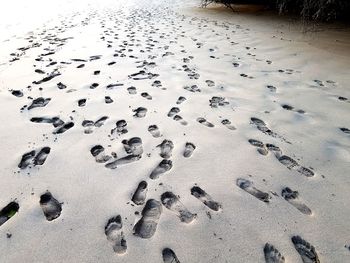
(156, 131)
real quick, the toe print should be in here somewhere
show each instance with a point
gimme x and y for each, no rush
(114, 234)
(272, 255)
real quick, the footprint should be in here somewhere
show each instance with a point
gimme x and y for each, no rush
(132, 90)
(146, 95)
(140, 112)
(39, 71)
(55, 121)
(122, 161)
(173, 111)
(17, 93)
(47, 78)
(40, 158)
(169, 256)
(193, 88)
(210, 83)
(60, 85)
(39, 102)
(63, 128)
(35, 157)
(247, 186)
(97, 151)
(257, 121)
(291, 108)
(81, 102)
(157, 83)
(139, 196)
(8, 211)
(345, 130)
(78, 60)
(154, 130)
(143, 75)
(275, 149)
(206, 199)
(287, 107)
(113, 85)
(205, 122)
(94, 85)
(51, 207)
(115, 235)
(108, 100)
(172, 202)
(228, 124)
(180, 119)
(305, 171)
(162, 167)
(189, 149)
(133, 146)
(26, 160)
(100, 121)
(166, 148)
(292, 198)
(120, 129)
(147, 225)
(88, 124)
(341, 98)
(261, 125)
(287, 161)
(271, 88)
(180, 100)
(292, 164)
(256, 143)
(260, 145)
(272, 255)
(246, 76)
(215, 102)
(305, 249)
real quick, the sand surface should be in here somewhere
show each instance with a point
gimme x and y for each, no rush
(223, 116)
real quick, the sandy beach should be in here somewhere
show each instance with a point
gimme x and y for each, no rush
(159, 131)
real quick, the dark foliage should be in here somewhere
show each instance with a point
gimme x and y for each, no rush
(324, 10)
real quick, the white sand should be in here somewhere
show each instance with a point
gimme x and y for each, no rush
(91, 193)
